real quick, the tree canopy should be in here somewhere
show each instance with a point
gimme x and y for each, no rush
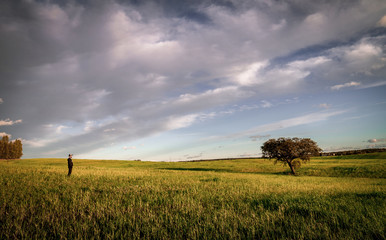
(290, 151)
(10, 149)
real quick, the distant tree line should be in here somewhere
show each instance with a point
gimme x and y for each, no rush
(10, 149)
(352, 152)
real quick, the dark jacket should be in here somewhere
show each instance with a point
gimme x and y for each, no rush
(69, 161)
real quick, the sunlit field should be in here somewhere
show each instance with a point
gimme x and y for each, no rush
(332, 198)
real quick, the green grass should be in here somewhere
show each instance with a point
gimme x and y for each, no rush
(332, 198)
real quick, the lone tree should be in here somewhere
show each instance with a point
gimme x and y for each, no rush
(290, 151)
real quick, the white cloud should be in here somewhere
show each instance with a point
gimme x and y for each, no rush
(60, 128)
(266, 104)
(382, 22)
(38, 143)
(109, 130)
(206, 116)
(309, 63)
(196, 102)
(175, 122)
(281, 25)
(89, 125)
(286, 78)
(144, 43)
(55, 20)
(315, 20)
(374, 140)
(362, 52)
(283, 124)
(349, 84)
(277, 78)
(245, 108)
(219, 95)
(364, 56)
(2, 134)
(250, 75)
(297, 121)
(129, 148)
(375, 84)
(316, 25)
(324, 105)
(8, 122)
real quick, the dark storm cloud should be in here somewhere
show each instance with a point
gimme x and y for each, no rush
(73, 71)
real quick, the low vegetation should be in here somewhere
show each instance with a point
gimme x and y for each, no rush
(340, 197)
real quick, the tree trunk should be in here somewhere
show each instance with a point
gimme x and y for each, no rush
(291, 167)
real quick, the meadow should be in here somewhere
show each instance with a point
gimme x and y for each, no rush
(331, 198)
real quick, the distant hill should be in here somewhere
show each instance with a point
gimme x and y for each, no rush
(353, 152)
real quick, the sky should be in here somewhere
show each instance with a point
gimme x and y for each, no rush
(170, 80)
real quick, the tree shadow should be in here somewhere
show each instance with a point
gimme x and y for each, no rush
(200, 169)
(224, 170)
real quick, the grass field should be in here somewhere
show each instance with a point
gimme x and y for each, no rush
(332, 198)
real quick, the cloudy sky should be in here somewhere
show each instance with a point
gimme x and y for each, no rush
(179, 80)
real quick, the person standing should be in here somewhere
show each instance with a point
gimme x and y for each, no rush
(70, 164)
